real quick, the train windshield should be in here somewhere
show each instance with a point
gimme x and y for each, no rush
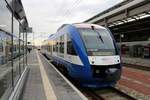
(98, 42)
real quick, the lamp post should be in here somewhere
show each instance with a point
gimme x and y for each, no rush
(121, 36)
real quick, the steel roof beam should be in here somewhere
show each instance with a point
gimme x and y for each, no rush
(130, 9)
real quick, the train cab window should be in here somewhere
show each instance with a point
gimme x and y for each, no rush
(98, 42)
(70, 48)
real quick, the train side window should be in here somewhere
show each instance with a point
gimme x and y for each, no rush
(62, 47)
(62, 44)
(70, 48)
(49, 48)
(54, 46)
(57, 45)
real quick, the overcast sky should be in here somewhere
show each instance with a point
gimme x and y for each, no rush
(45, 16)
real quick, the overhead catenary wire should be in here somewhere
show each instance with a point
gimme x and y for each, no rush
(66, 11)
(72, 7)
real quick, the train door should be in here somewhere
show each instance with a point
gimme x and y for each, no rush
(65, 45)
(61, 46)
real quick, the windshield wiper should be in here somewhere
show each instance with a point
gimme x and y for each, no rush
(101, 38)
(93, 28)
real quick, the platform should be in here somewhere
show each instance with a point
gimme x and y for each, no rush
(44, 83)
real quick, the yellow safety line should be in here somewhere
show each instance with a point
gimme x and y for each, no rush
(50, 95)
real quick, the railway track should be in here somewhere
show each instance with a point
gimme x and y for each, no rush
(110, 93)
(144, 68)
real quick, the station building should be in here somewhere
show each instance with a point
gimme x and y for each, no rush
(129, 21)
(13, 25)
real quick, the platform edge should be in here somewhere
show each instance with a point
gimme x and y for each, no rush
(83, 97)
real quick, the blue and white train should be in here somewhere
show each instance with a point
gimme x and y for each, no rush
(87, 52)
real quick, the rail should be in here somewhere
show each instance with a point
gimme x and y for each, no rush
(110, 93)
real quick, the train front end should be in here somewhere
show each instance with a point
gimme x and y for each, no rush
(104, 65)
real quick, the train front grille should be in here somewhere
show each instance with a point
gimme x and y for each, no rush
(108, 72)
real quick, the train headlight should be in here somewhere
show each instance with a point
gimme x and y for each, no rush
(111, 70)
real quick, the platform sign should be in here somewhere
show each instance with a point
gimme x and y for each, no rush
(27, 29)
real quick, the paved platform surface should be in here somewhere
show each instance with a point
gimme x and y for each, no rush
(37, 89)
(136, 61)
(34, 89)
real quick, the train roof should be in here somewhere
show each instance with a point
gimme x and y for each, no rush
(77, 25)
(86, 25)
